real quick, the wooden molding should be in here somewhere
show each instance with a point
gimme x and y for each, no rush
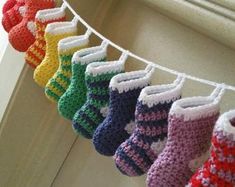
(210, 18)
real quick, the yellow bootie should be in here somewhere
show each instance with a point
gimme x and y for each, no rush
(53, 34)
(60, 81)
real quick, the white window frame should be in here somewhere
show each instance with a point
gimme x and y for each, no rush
(214, 18)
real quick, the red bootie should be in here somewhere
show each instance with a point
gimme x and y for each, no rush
(23, 35)
(13, 16)
(8, 5)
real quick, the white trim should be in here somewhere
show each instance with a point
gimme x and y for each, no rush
(73, 41)
(192, 108)
(152, 95)
(88, 55)
(124, 82)
(50, 14)
(225, 125)
(61, 27)
(98, 68)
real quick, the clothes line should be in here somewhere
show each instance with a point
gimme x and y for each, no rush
(204, 81)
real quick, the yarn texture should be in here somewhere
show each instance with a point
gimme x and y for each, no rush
(36, 52)
(23, 35)
(13, 16)
(219, 169)
(9, 4)
(53, 34)
(119, 124)
(60, 81)
(75, 95)
(93, 112)
(190, 125)
(135, 156)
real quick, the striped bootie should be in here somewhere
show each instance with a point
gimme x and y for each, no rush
(60, 81)
(9, 4)
(36, 52)
(75, 95)
(219, 169)
(190, 125)
(14, 15)
(135, 156)
(53, 34)
(23, 35)
(93, 112)
(119, 124)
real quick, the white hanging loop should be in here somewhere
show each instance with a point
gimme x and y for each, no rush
(75, 20)
(218, 92)
(88, 33)
(180, 79)
(124, 56)
(104, 44)
(63, 6)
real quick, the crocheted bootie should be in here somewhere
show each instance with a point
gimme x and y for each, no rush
(60, 81)
(53, 34)
(135, 156)
(119, 124)
(9, 4)
(36, 52)
(23, 34)
(75, 95)
(190, 125)
(219, 169)
(13, 16)
(93, 112)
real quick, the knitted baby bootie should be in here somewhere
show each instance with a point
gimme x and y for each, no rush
(93, 112)
(60, 81)
(219, 169)
(75, 95)
(119, 124)
(53, 34)
(190, 126)
(23, 34)
(135, 156)
(13, 16)
(36, 52)
(9, 4)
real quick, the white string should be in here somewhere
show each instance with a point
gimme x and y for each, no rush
(128, 53)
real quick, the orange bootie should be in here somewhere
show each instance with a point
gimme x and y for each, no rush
(23, 35)
(36, 52)
(13, 16)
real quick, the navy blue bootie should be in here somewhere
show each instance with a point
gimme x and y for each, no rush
(119, 124)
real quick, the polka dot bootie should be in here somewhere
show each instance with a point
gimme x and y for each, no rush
(14, 15)
(93, 112)
(119, 124)
(190, 125)
(53, 34)
(219, 169)
(135, 156)
(60, 81)
(75, 95)
(23, 35)
(36, 52)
